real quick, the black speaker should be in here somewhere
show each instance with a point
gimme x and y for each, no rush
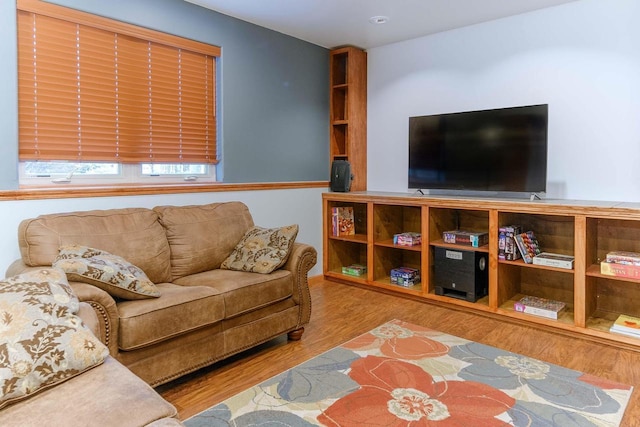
(341, 176)
(461, 274)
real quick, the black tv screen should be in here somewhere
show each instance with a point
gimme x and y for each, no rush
(499, 150)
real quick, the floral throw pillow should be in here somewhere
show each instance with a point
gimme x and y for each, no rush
(42, 340)
(106, 271)
(262, 250)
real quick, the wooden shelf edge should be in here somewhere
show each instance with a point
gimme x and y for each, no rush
(594, 271)
(441, 244)
(388, 243)
(520, 263)
(357, 238)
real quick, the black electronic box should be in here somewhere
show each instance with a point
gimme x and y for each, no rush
(461, 274)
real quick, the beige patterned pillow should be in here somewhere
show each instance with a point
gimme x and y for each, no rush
(42, 341)
(108, 272)
(262, 250)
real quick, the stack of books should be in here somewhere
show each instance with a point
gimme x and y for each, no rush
(627, 325)
(540, 307)
(622, 264)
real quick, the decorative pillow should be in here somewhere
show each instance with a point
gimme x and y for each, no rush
(108, 272)
(42, 341)
(262, 250)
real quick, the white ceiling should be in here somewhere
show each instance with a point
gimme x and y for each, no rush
(334, 23)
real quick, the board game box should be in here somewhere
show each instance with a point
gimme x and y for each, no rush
(527, 245)
(405, 276)
(540, 307)
(554, 260)
(507, 249)
(342, 221)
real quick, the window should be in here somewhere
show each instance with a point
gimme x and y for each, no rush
(104, 99)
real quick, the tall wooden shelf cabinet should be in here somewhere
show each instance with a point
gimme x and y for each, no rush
(588, 230)
(348, 111)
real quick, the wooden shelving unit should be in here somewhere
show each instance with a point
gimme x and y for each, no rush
(586, 230)
(348, 111)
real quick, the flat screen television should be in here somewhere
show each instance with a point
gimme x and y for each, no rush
(499, 151)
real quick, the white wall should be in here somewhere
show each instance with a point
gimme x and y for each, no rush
(581, 58)
(270, 208)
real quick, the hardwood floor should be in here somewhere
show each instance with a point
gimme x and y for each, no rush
(341, 312)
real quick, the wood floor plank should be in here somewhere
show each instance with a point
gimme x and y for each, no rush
(341, 312)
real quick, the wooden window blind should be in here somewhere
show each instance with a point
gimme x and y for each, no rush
(93, 89)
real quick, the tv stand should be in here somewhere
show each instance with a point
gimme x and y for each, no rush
(534, 196)
(587, 230)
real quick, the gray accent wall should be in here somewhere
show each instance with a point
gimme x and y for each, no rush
(273, 99)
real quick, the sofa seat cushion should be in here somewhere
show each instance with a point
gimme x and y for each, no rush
(243, 291)
(202, 236)
(178, 310)
(107, 395)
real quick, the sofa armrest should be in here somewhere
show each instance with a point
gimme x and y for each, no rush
(301, 259)
(106, 311)
(18, 267)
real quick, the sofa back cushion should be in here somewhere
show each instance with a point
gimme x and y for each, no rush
(132, 233)
(203, 236)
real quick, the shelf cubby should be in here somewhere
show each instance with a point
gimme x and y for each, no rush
(555, 233)
(389, 220)
(608, 234)
(608, 298)
(344, 252)
(386, 258)
(447, 219)
(340, 103)
(517, 280)
(339, 141)
(359, 218)
(339, 64)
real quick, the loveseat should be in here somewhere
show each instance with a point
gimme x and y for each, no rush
(198, 312)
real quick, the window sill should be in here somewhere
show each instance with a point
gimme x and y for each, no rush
(66, 191)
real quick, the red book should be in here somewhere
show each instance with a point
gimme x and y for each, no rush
(620, 270)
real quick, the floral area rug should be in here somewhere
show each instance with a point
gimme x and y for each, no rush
(401, 374)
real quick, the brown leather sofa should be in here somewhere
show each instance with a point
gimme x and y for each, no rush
(105, 395)
(203, 314)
